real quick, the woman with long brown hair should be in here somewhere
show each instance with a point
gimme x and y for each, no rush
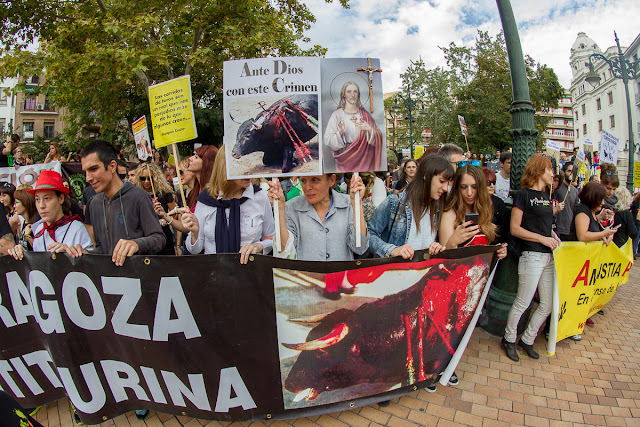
(531, 222)
(201, 165)
(54, 154)
(468, 195)
(25, 217)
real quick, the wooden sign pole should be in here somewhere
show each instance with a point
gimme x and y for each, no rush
(276, 217)
(177, 162)
(151, 181)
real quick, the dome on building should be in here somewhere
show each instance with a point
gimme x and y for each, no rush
(583, 43)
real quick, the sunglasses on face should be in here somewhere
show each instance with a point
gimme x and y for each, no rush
(611, 172)
(5, 184)
(122, 175)
(491, 182)
(144, 178)
(470, 162)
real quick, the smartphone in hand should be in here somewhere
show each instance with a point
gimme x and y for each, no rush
(473, 217)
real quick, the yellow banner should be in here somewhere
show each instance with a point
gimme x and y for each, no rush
(636, 174)
(172, 112)
(588, 276)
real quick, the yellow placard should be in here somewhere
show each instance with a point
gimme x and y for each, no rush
(171, 160)
(588, 276)
(419, 151)
(172, 112)
(636, 174)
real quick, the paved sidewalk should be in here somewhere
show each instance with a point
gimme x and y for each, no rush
(592, 382)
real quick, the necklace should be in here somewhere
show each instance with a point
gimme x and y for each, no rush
(353, 116)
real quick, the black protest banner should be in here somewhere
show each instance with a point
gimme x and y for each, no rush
(210, 338)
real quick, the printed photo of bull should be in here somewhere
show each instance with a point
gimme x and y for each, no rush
(400, 324)
(274, 136)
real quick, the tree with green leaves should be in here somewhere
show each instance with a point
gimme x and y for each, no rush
(102, 55)
(477, 86)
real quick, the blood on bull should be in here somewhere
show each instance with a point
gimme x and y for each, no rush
(404, 338)
(280, 131)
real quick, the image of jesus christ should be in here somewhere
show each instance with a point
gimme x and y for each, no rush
(352, 134)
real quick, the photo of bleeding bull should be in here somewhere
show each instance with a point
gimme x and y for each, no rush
(273, 136)
(397, 325)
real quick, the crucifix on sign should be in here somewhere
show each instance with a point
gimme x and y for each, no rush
(370, 70)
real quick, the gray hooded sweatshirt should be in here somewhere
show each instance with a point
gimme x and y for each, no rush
(128, 215)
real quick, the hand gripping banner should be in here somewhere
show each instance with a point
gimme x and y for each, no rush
(210, 338)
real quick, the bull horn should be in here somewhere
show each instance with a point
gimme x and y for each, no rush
(309, 319)
(306, 394)
(335, 336)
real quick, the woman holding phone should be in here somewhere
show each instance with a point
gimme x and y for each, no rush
(585, 226)
(467, 218)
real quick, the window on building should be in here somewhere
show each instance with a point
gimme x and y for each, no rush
(3, 124)
(577, 133)
(599, 125)
(584, 109)
(30, 103)
(3, 97)
(48, 104)
(570, 133)
(48, 129)
(610, 95)
(27, 130)
(612, 121)
(576, 115)
(584, 129)
(598, 104)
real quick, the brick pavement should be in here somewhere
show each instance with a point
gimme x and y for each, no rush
(592, 382)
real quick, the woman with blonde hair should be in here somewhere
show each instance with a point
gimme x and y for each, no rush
(531, 223)
(623, 218)
(54, 154)
(150, 178)
(469, 194)
(231, 216)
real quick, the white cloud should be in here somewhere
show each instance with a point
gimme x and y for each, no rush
(548, 28)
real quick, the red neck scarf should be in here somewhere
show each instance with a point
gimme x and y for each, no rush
(51, 229)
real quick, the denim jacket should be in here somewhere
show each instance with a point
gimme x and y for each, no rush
(382, 219)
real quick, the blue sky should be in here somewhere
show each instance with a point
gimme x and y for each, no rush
(397, 31)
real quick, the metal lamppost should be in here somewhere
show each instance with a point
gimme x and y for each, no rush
(626, 70)
(411, 105)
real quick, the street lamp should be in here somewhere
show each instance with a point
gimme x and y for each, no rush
(621, 68)
(411, 105)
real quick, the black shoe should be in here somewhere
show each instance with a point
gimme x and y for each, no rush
(454, 379)
(601, 312)
(510, 348)
(529, 350)
(431, 388)
(141, 414)
(384, 404)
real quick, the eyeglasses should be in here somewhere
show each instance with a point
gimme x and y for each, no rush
(471, 162)
(611, 173)
(144, 178)
(491, 183)
(122, 175)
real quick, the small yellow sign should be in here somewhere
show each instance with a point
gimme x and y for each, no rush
(172, 112)
(419, 151)
(636, 174)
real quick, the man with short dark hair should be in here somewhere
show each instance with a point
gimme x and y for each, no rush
(503, 178)
(453, 153)
(122, 215)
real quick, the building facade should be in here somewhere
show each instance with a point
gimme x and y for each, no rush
(560, 125)
(632, 54)
(7, 105)
(600, 107)
(36, 114)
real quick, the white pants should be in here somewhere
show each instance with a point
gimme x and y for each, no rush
(535, 270)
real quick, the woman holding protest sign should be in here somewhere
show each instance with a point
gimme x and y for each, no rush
(57, 230)
(319, 225)
(150, 178)
(231, 216)
(531, 223)
(469, 198)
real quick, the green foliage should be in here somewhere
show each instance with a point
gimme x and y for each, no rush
(101, 56)
(477, 86)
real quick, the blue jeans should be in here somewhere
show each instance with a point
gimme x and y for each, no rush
(536, 270)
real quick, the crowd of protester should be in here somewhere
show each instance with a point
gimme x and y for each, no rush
(446, 199)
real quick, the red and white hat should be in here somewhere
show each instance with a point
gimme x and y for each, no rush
(49, 180)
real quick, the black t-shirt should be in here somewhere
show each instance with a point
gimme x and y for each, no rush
(165, 199)
(4, 161)
(635, 205)
(400, 184)
(625, 220)
(537, 216)
(594, 226)
(5, 228)
(500, 219)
